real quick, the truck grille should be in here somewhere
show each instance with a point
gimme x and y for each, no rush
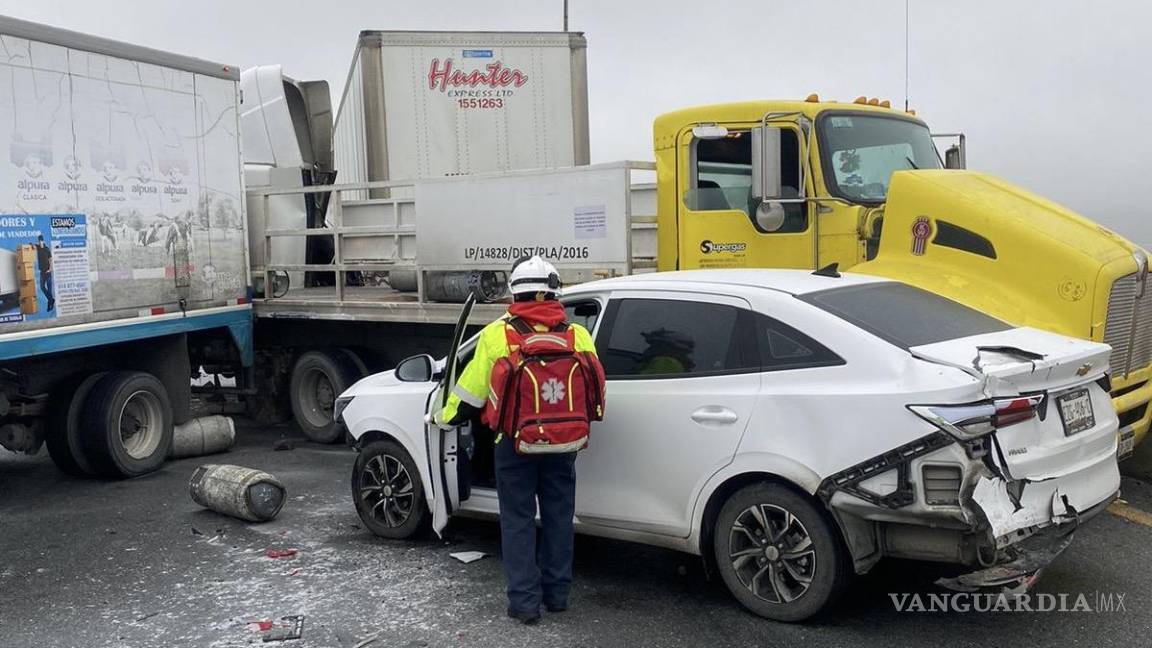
(1128, 329)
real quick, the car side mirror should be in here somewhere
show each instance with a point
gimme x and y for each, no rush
(418, 368)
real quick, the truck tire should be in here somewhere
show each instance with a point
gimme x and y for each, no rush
(354, 358)
(128, 419)
(318, 377)
(388, 492)
(779, 554)
(62, 429)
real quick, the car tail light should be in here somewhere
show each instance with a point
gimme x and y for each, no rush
(974, 420)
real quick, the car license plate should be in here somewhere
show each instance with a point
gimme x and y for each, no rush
(1127, 443)
(1076, 411)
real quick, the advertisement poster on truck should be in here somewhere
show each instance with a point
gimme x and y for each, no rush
(43, 267)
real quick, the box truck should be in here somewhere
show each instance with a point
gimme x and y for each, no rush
(122, 231)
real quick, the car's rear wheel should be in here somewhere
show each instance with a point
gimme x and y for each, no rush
(779, 555)
(388, 492)
(318, 377)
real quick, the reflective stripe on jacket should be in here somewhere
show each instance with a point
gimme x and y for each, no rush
(473, 385)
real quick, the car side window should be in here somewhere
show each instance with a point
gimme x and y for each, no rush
(584, 313)
(661, 338)
(784, 347)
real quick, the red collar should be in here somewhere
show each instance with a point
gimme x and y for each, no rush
(549, 313)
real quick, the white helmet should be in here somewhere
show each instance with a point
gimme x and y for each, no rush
(534, 275)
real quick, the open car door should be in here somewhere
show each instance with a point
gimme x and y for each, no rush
(443, 445)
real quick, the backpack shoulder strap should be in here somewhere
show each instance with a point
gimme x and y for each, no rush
(520, 326)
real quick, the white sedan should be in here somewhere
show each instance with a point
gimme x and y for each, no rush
(792, 428)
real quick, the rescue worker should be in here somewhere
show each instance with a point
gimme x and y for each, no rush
(538, 566)
(668, 353)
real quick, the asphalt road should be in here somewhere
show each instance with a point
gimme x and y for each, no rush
(98, 564)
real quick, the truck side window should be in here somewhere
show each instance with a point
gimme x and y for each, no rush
(722, 178)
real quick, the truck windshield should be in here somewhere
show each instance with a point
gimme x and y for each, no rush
(861, 152)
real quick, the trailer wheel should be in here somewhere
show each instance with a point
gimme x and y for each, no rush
(62, 429)
(318, 377)
(129, 419)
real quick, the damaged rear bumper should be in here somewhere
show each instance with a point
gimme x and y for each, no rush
(1023, 561)
(1005, 528)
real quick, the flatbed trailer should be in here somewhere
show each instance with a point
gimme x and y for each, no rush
(397, 276)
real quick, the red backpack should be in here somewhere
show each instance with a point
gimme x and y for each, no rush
(544, 393)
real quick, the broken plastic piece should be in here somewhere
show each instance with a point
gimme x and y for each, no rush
(280, 553)
(1019, 575)
(468, 556)
(292, 628)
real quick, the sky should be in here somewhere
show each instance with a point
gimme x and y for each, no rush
(1050, 93)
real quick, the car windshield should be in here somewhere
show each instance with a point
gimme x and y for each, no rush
(904, 315)
(862, 151)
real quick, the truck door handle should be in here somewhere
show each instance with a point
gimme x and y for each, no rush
(715, 414)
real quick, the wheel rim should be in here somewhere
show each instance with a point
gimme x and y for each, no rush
(772, 553)
(317, 397)
(387, 490)
(140, 424)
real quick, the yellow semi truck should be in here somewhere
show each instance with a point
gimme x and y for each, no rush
(807, 184)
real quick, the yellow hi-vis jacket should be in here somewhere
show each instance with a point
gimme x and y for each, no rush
(473, 385)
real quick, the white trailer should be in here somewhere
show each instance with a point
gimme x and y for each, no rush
(435, 104)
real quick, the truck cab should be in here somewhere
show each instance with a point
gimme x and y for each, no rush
(807, 184)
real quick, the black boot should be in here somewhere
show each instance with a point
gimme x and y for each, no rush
(526, 617)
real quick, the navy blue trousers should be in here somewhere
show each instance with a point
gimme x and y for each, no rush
(537, 564)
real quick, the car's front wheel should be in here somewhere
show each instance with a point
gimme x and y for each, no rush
(779, 555)
(388, 492)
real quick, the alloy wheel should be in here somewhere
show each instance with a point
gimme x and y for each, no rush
(387, 488)
(772, 553)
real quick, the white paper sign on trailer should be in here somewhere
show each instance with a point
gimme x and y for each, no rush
(435, 104)
(577, 217)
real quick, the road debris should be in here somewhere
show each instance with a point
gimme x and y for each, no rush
(202, 436)
(289, 627)
(283, 444)
(215, 539)
(280, 553)
(245, 493)
(468, 556)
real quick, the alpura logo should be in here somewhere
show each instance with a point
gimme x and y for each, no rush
(708, 247)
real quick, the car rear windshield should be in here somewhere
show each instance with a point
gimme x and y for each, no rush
(904, 315)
